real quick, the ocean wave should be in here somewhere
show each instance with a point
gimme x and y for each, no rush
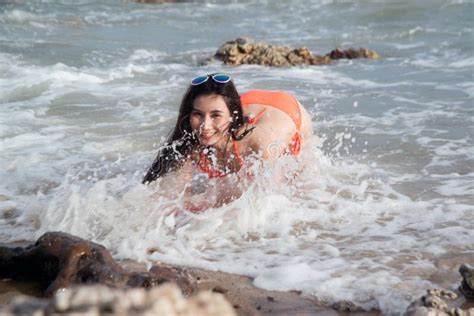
(466, 62)
(23, 17)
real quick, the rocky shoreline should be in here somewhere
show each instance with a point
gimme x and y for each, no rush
(58, 261)
(72, 275)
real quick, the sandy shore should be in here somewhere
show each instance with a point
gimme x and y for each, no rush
(84, 262)
(238, 290)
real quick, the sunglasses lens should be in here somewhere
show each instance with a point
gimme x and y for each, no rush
(221, 78)
(199, 80)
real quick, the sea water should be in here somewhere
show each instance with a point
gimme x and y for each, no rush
(384, 207)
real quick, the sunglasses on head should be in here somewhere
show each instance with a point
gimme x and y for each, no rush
(219, 78)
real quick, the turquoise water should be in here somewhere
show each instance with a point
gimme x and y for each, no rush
(89, 90)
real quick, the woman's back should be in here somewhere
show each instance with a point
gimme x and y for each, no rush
(280, 121)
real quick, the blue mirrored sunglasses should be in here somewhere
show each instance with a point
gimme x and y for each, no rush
(220, 78)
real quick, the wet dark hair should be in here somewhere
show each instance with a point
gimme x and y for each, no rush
(182, 141)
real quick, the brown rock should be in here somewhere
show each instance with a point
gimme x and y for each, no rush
(246, 51)
(438, 302)
(467, 285)
(445, 302)
(58, 260)
(352, 54)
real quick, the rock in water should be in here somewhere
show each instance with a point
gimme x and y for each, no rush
(353, 53)
(445, 302)
(246, 51)
(467, 285)
(58, 260)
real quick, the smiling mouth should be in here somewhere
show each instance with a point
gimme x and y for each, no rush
(207, 136)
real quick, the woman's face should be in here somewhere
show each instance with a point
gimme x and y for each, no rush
(210, 119)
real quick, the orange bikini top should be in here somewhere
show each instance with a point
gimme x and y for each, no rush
(277, 99)
(282, 101)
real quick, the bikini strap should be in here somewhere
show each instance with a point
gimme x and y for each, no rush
(294, 147)
(239, 158)
(205, 165)
(277, 99)
(254, 120)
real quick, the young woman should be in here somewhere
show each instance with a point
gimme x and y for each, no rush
(217, 129)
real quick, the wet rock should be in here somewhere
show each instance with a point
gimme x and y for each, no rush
(99, 299)
(467, 285)
(444, 302)
(345, 306)
(246, 51)
(438, 302)
(353, 53)
(59, 260)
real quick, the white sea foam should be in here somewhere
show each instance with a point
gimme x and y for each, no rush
(402, 46)
(468, 88)
(20, 16)
(468, 62)
(264, 234)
